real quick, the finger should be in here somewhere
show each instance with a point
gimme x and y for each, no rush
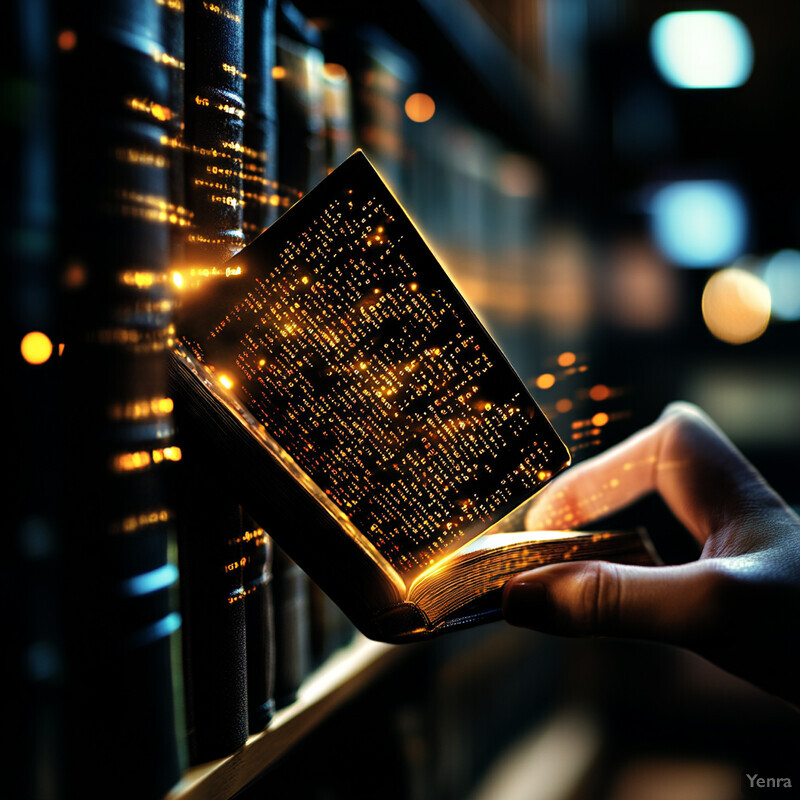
(603, 599)
(683, 456)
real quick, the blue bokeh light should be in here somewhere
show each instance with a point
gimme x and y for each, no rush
(701, 223)
(702, 49)
(782, 276)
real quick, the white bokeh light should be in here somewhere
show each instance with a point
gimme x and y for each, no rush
(702, 49)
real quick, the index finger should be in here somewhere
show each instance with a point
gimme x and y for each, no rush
(683, 456)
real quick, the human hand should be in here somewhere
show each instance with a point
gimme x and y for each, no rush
(738, 605)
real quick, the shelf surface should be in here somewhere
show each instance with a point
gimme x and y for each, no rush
(341, 677)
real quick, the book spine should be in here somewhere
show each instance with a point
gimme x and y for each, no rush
(292, 628)
(212, 596)
(299, 98)
(260, 157)
(122, 619)
(214, 48)
(213, 602)
(330, 628)
(260, 624)
(174, 140)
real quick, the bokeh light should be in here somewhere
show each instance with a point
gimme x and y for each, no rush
(36, 347)
(702, 49)
(67, 40)
(566, 359)
(736, 305)
(420, 107)
(782, 276)
(599, 392)
(699, 223)
(545, 380)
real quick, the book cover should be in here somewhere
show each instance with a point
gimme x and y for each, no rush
(209, 515)
(359, 403)
(115, 534)
(257, 584)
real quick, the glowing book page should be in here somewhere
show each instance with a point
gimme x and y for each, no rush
(342, 334)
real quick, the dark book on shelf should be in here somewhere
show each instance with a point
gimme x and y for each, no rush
(210, 532)
(214, 612)
(291, 589)
(257, 584)
(368, 419)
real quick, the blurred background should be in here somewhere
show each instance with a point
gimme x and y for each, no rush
(613, 185)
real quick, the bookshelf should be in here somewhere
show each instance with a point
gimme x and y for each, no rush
(144, 179)
(337, 680)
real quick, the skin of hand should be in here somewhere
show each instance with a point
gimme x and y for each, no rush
(738, 605)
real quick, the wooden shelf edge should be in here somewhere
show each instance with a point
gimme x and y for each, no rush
(337, 680)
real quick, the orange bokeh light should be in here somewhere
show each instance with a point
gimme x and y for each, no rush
(600, 419)
(599, 392)
(67, 40)
(36, 347)
(564, 405)
(545, 380)
(566, 359)
(420, 107)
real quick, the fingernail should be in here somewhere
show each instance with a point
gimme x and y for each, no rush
(525, 602)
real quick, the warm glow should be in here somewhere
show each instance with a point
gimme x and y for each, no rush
(279, 73)
(74, 275)
(566, 359)
(599, 392)
(225, 381)
(736, 305)
(177, 279)
(36, 347)
(545, 380)
(420, 107)
(334, 72)
(564, 405)
(67, 40)
(600, 419)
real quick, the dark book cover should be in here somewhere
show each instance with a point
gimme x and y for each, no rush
(209, 516)
(257, 584)
(117, 519)
(214, 129)
(213, 603)
(260, 155)
(292, 627)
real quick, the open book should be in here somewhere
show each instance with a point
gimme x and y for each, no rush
(368, 420)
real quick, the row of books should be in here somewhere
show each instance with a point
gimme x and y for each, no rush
(153, 141)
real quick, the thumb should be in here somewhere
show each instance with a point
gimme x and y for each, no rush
(597, 598)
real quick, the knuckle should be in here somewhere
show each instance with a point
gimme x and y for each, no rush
(682, 421)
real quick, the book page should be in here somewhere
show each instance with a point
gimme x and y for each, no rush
(344, 337)
(486, 563)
